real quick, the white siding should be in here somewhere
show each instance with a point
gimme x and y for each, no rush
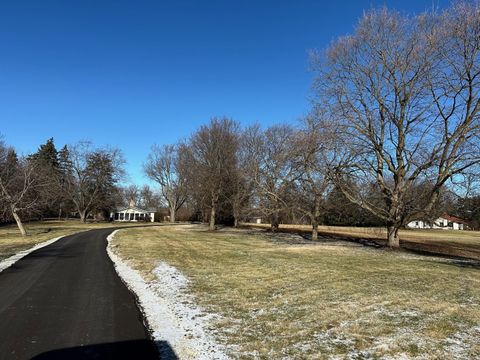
(439, 223)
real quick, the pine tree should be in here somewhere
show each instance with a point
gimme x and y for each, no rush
(64, 177)
(46, 155)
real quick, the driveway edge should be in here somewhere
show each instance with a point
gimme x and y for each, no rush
(6, 263)
(163, 317)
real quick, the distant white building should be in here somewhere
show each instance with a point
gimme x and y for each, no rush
(444, 222)
(133, 213)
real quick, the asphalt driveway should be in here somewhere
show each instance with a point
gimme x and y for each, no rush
(65, 301)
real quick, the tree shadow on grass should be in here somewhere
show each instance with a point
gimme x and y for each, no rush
(122, 350)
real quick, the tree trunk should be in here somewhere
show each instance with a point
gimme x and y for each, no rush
(236, 214)
(83, 216)
(315, 217)
(314, 230)
(212, 218)
(172, 214)
(393, 239)
(275, 225)
(19, 223)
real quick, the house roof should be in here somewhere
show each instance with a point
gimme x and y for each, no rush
(454, 219)
(135, 208)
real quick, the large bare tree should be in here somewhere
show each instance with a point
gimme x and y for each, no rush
(243, 179)
(209, 159)
(275, 171)
(162, 167)
(18, 185)
(405, 99)
(128, 194)
(149, 199)
(311, 162)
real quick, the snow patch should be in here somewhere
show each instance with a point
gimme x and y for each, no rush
(170, 311)
(460, 344)
(6, 263)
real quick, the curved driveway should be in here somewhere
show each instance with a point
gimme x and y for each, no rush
(65, 301)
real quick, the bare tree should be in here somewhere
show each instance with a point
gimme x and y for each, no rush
(243, 179)
(149, 199)
(130, 193)
(404, 93)
(89, 177)
(209, 159)
(162, 167)
(18, 183)
(275, 171)
(311, 164)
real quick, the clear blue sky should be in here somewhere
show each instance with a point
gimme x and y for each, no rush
(134, 73)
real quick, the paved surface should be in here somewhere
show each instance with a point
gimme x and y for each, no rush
(65, 301)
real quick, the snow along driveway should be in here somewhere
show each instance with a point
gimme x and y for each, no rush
(6, 263)
(170, 311)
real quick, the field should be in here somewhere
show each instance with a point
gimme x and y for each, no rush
(11, 241)
(454, 243)
(281, 297)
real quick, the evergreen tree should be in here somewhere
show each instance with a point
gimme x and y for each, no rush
(65, 174)
(46, 155)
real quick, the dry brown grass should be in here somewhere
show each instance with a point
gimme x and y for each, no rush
(11, 241)
(447, 242)
(282, 299)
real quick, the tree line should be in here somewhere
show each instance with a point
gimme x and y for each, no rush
(393, 136)
(394, 131)
(227, 174)
(79, 179)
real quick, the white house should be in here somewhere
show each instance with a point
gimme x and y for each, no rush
(133, 213)
(444, 222)
(256, 220)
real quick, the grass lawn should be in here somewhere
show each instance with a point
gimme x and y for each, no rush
(11, 241)
(447, 242)
(281, 297)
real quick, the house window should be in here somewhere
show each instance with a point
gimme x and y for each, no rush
(137, 216)
(416, 223)
(121, 216)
